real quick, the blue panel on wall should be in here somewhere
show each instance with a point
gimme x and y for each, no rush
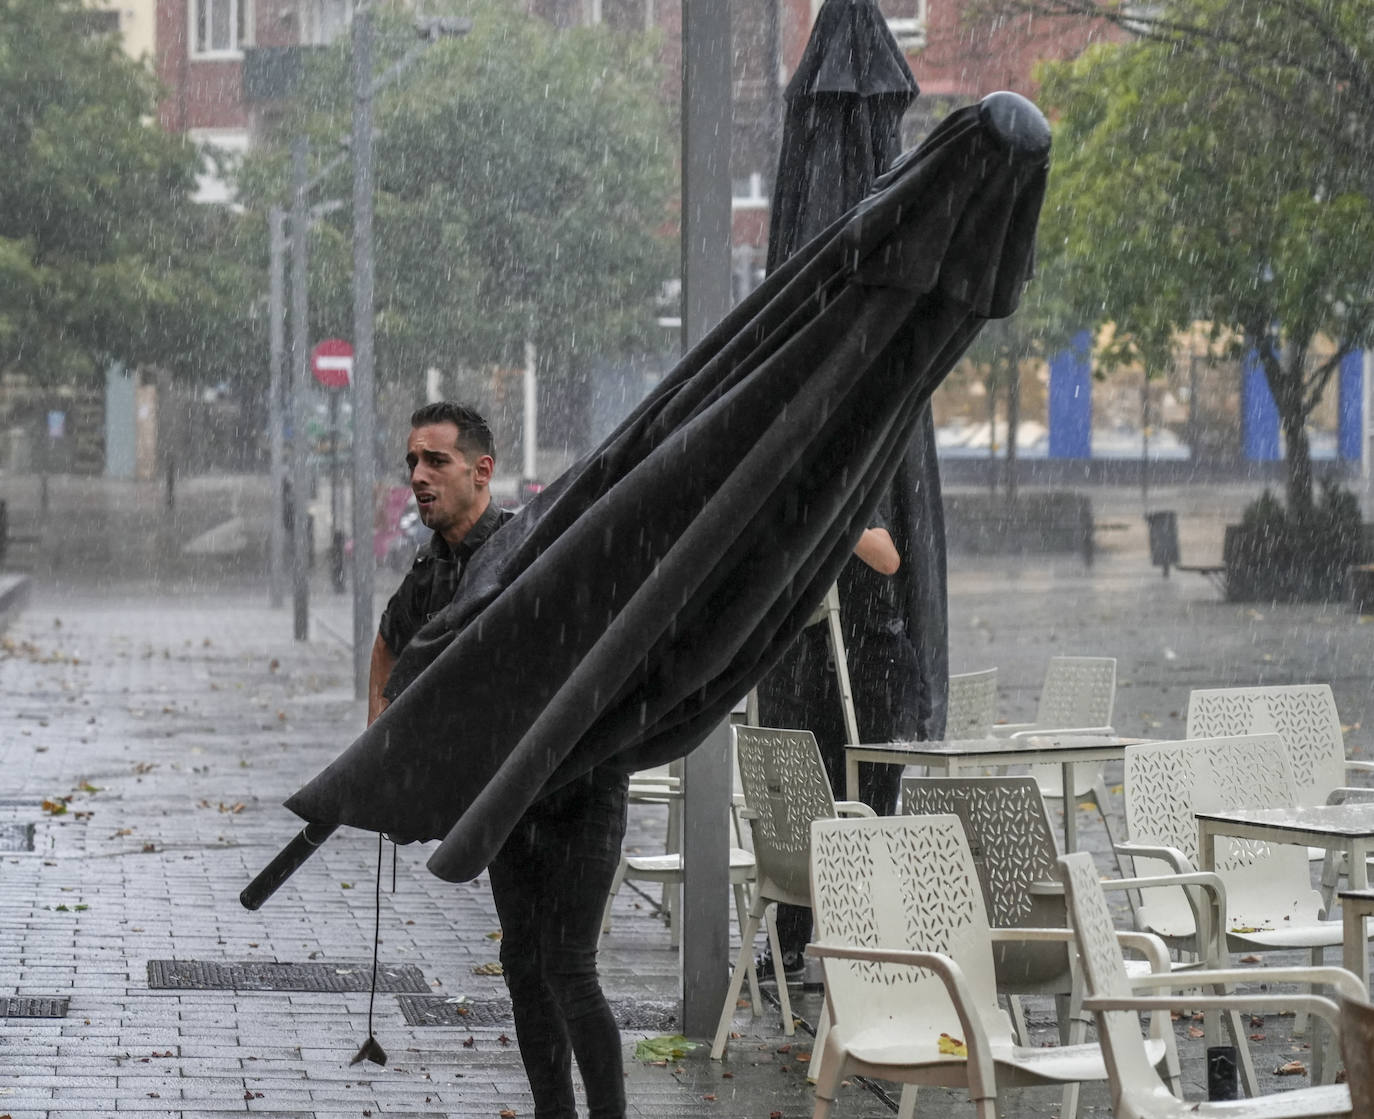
(1259, 417)
(1351, 410)
(1071, 400)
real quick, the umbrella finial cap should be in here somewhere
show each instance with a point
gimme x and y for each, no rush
(1016, 122)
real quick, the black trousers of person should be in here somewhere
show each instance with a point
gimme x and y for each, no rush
(550, 881)
(803, 692)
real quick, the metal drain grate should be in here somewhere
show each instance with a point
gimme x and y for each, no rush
(256, 975)
(30, 1006)
(437, 1010)
(16, 837)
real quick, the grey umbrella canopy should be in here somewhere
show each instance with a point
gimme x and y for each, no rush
(842, 129)
(624, 611)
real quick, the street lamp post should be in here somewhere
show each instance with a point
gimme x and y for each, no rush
(364, 387)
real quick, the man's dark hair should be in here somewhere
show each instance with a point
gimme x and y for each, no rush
(474, 436)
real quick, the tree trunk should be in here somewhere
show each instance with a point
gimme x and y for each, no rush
(1298, 459)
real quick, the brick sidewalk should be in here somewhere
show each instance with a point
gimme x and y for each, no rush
(176, 727)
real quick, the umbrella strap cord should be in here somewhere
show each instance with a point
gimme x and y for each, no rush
(377, 929)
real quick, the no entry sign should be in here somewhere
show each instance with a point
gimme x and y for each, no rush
(332, 363)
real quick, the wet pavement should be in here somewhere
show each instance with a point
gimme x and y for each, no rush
(156, 711)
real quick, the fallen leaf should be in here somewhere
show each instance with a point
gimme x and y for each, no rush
(494, 935)
(663, 1048)
(1291, 1068)
(1257, 1037)
(507, 1113)
(951, 1046)
(1250, 959)
(470, 1043)
(55, 806)
(1193, 1031)
(493, 967)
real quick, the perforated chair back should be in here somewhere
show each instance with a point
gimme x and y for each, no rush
(785, 788)
(1303, 715)
(972, 704)
(1077, 692)
(1012, 846)
(903, 882)
(1167, 783)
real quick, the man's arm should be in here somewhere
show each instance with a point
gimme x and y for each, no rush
(876, 549)
(383, 661)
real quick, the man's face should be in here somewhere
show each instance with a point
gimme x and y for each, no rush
(450, 490)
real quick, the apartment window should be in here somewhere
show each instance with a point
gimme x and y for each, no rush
(220, 26)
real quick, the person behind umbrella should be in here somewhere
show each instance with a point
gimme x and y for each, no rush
(551, 877)
(803, 691)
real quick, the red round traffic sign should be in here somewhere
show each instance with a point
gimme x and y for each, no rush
(332, 363)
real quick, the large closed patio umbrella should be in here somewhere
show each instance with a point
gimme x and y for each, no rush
(625, 610)
(841, 131)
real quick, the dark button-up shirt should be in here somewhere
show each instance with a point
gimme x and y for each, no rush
(433, 578)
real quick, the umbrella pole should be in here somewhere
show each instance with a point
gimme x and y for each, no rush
(287, 862)
(837, 654)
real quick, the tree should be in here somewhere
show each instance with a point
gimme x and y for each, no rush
(103, 255)
(1179, 195)
(523, 181)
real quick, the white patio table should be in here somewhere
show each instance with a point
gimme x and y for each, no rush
(1337, 827)
(953, 756)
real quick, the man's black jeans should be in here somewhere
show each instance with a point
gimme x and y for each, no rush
(550, 881)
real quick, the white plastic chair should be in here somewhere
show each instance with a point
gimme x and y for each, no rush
(1078, 696)
(907, 951)
(785, 788)
(972, 708)
(1305, 717)
(1269, 904)
(663, 785)
(1137, 1091)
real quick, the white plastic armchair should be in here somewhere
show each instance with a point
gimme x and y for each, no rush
(972, 708)
(1016, 856)
(1077, 696)
(1136, 1089)
(785, 788)
(1305, 717)
(1270, 905)
(903, 937)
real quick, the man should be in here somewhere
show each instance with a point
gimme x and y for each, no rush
(551, 878)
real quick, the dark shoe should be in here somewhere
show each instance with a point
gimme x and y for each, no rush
(793, 967)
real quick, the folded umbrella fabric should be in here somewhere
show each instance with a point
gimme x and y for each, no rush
(623, 612)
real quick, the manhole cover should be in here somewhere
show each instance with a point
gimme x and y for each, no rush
(26, 1006)
(437, 1010)
(254, 975)
(16, 837)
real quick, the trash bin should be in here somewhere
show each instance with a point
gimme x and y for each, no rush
(1163, 539)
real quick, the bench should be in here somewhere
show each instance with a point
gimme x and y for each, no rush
(8, 538)
(1213, 572)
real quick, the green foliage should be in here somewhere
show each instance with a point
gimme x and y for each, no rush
(1295, 554)
(523, 183)
(1180, 194)
(102, 253)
